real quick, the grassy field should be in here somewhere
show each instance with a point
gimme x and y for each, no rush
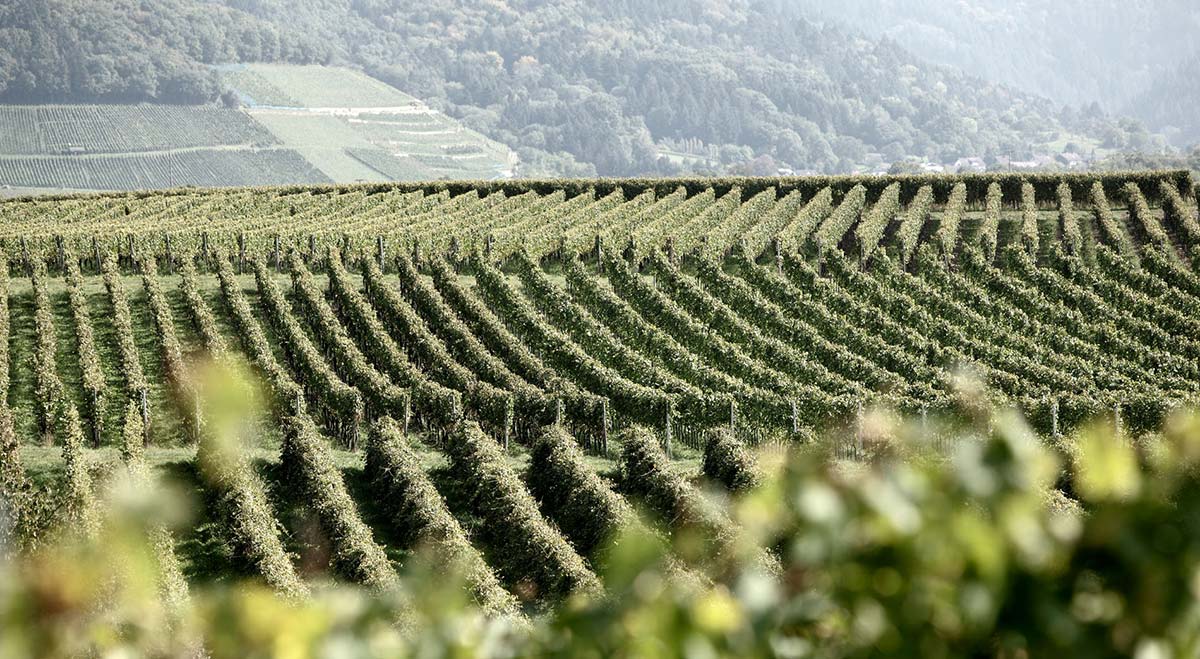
(313, 87)
(355, 128)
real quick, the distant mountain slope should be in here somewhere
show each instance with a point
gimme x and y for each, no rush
(1075, 51)
(73, 51)
(1173, 102)
(577, 87)
(617, 84)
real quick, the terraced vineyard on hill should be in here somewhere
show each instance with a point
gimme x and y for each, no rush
(484, 346)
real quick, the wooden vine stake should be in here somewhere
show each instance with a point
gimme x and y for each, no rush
(858, 432)
(604, 426)
(509, 414)
(407, 412)
(61, 250)
(145, 417)
(667, 433)
(197, 421)
(95, 419)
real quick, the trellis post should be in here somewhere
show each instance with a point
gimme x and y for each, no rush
(197, 422)
(509, 413)
(667, 432)
(604, 426)
(95, 419)
(858, 431)
(145, 417)
(407, 412)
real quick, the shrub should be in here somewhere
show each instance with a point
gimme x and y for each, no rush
(308, 463)
(728, 461)
(522, 540)
(420, 515)
(582, 503)
(646, 472)
(239, 502)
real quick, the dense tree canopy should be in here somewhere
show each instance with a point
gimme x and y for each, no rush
(546, 76)
(576, 87)
(127, 50)
(1171, 102)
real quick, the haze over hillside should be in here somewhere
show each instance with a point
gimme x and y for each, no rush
(1132, 58)
(297, 124)
(576, 88)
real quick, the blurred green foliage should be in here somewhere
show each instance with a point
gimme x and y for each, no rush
(1000, 545)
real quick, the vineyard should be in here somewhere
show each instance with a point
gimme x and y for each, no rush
(508, 370)
(74, 129)
(202, 167)
(137, 147)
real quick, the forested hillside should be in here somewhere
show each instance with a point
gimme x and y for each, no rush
(575, 87)
(1074, 51)
(1172, 100)
(131, 51)
(605, 82)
